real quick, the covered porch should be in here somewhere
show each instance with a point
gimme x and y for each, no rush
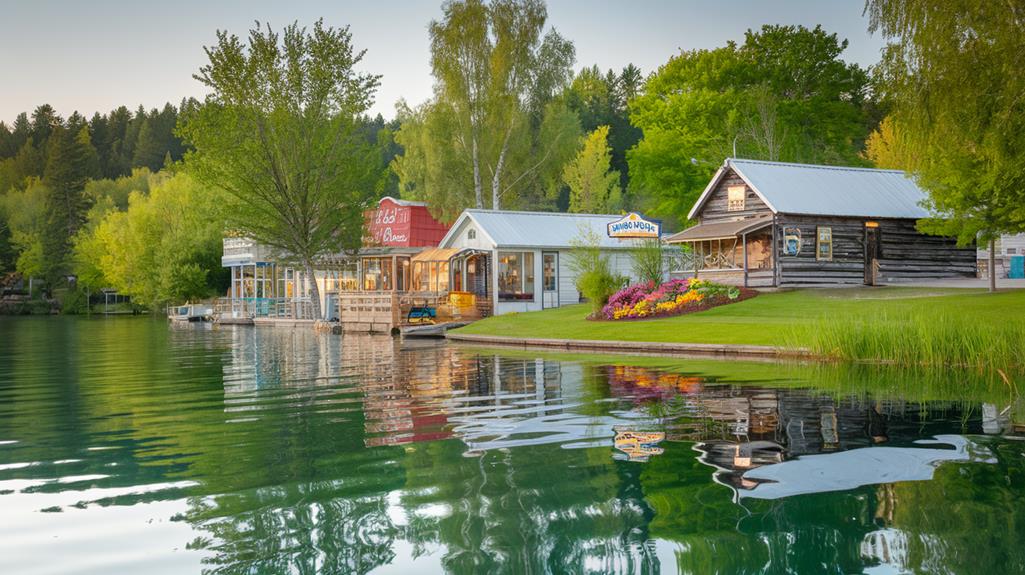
(736, 252)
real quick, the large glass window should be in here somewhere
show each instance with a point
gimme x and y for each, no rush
(430, 276)
(515, 276)
(377, 274)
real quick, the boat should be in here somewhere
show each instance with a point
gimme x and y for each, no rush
(190, 312)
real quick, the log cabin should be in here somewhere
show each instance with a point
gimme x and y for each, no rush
(773, 224)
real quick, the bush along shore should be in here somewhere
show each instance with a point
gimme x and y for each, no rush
(901, 326)
(674, 297)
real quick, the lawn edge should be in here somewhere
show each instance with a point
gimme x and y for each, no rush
(720, 350)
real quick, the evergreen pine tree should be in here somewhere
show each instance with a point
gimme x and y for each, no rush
(131, 138)
(44, 119)
(99, 134)
(67, 169)
(117, 127)
(149, 149)
(7, 148)
(21, 131)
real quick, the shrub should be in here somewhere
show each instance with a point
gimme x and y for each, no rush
(595, 278)
(649, 261)
(670, 298)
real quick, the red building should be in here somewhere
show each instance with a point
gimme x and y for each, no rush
(401, 223)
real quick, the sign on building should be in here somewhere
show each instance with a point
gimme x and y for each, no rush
(633, 225)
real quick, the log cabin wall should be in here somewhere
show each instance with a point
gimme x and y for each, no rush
(907, 254)
(848, 263)
(715, 208)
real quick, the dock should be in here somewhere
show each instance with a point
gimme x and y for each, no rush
(430, 330)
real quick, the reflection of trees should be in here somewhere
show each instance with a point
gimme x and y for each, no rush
(968, 519)
(508, 514)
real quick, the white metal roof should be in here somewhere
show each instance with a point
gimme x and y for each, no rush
(825, 190)
(537, 229)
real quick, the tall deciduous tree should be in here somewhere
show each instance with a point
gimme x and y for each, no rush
(593, 187)
(279, 133)
(494, 117)
(784, 94)
(952, 73)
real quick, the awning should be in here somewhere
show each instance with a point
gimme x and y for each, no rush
(721, 230)
(436, 255)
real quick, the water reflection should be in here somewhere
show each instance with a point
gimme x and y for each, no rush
(248, 450)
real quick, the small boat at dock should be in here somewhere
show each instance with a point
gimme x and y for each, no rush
(190, 312)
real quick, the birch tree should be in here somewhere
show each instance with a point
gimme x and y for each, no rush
(494, 116)
(280, 134)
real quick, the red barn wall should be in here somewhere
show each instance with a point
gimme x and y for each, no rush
(397, 225)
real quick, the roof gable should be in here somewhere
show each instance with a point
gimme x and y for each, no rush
(537, 229)
(825, 190)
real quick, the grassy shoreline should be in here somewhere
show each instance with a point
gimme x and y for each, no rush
(902, 325)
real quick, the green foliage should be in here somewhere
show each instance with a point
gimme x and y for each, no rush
(649, 261)
(280, 134)
(593, 188)
(164, 248)
(935, 339)
(494, 122)
(593, 270)
(26, 218)
(601, 100)
(949, 73)
(784, 94)
(118, 190)
(69, 164)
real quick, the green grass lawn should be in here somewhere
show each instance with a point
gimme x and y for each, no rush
(779, 318)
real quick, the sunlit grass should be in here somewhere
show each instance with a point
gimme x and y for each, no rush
(906, 326)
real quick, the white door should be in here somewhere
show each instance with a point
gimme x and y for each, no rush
(549, 279)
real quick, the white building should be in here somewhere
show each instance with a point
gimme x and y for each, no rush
(1008, 247)
(521, 261)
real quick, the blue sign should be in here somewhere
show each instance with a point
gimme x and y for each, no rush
(633, 225)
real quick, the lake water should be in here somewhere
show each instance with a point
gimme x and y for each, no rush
(130, 446)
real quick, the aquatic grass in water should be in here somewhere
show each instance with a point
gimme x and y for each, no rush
(917, 339)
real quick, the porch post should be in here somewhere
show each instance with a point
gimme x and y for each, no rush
(743, 243)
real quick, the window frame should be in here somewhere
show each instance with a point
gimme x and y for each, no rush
(820, 242)
(524, 272)
(735, 204)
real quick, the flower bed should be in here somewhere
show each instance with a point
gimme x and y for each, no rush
(674, 297)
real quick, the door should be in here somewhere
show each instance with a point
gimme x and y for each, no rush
(550, 279)
(871, 254)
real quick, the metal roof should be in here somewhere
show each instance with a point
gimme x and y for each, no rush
(825, 190)
(721, 230)
(540, 229)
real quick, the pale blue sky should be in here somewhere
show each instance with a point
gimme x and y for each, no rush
(94, 55)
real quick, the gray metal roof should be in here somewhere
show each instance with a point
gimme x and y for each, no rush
(719, 230)
(542, 229)
(826, 190)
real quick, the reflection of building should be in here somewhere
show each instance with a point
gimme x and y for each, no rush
(771, 443)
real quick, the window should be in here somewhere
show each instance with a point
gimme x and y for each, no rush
(430, 276)
(824, 244)
(548, 272)
(516, 276)
(1012, 251)
(377, 274)
(735, 198)
(471, 234)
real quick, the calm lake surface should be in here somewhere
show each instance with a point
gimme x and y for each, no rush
(130, 446)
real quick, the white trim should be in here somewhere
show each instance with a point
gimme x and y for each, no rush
(454, 230)
(727, 165)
